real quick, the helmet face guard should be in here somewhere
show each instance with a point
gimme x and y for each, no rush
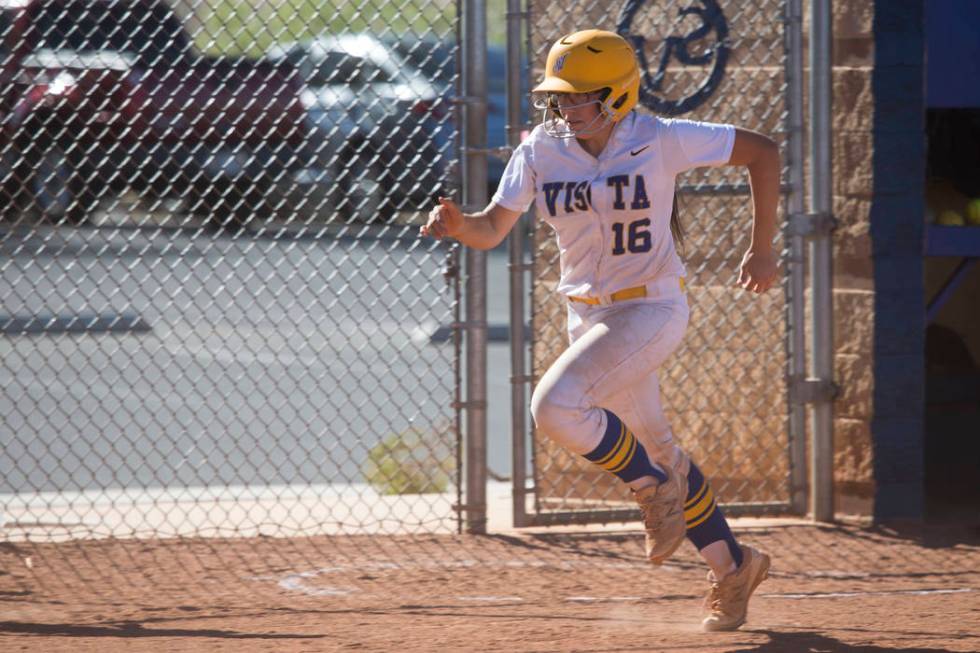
(554, 120)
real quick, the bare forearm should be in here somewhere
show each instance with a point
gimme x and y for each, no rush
(488, 228)
(760, 155)
(764, 182)
(483, 230)
(479, 231)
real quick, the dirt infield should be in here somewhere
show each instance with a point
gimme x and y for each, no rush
(832, 589)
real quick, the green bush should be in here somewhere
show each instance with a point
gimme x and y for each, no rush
(412, 462)
(232, 27)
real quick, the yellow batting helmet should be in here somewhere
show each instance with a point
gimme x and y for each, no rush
(594, 60)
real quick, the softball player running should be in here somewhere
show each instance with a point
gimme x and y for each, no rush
(603, 177)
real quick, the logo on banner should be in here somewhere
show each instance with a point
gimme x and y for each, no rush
(703, 50)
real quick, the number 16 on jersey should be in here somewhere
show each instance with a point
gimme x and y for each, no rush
(633, 238)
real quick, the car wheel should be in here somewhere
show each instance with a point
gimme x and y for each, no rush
(14, 193)
(223, 205)
(364, 197)
(57, 188)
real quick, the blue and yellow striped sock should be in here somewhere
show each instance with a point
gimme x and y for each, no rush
(705, 521)
(620, 453)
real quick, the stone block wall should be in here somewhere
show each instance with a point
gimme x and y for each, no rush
(853, 190)
(879, 176)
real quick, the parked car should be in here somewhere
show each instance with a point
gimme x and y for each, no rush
(101, 95)
(380, 132)
(437, 60)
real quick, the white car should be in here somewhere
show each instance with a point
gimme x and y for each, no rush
(381, 134)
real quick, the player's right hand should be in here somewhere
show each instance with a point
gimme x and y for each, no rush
(445, 220)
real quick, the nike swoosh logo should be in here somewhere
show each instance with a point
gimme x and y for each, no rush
(564, 41)
(635, 152)
(591, 49)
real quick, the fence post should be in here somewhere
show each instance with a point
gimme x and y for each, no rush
(474, 49)
(797, 256)
(821, 261)
(518, 270)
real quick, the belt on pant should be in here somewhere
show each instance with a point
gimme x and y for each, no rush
(653, 289)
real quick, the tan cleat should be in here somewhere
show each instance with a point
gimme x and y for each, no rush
(663, 515)
(728, 599)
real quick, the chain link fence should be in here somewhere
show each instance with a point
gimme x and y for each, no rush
(724, 389)
(215, 315)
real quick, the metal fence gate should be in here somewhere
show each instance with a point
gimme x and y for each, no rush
(215, 314)
(725, 390)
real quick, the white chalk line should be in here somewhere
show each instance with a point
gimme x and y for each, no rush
(836, 595)
(298, 581)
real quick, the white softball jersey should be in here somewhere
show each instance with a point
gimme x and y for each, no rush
(611, 214)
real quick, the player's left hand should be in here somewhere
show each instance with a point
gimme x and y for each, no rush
(758, 271)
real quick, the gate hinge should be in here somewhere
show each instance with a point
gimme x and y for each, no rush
(809, 225)
(468, 507)
(468, 99)
(503, 152)
(469, 405)
(811, 391)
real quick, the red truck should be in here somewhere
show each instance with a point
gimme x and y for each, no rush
(99, 96)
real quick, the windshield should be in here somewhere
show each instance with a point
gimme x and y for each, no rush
(148, 31)
(434, 60)
(349, 70)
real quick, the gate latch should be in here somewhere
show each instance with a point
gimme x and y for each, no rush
(811, 391)
(809, 225)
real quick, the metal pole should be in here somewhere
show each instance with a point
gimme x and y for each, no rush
(518, 343)
(474, 197)
(797, 277)
(515, 63)
(821, 260)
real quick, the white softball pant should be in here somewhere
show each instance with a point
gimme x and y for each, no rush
(612, 362)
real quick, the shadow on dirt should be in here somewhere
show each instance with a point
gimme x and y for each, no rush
(782, 642)
(933, 534)
(133, 629)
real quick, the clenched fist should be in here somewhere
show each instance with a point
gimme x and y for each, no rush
(759, 270)
(445, 220)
